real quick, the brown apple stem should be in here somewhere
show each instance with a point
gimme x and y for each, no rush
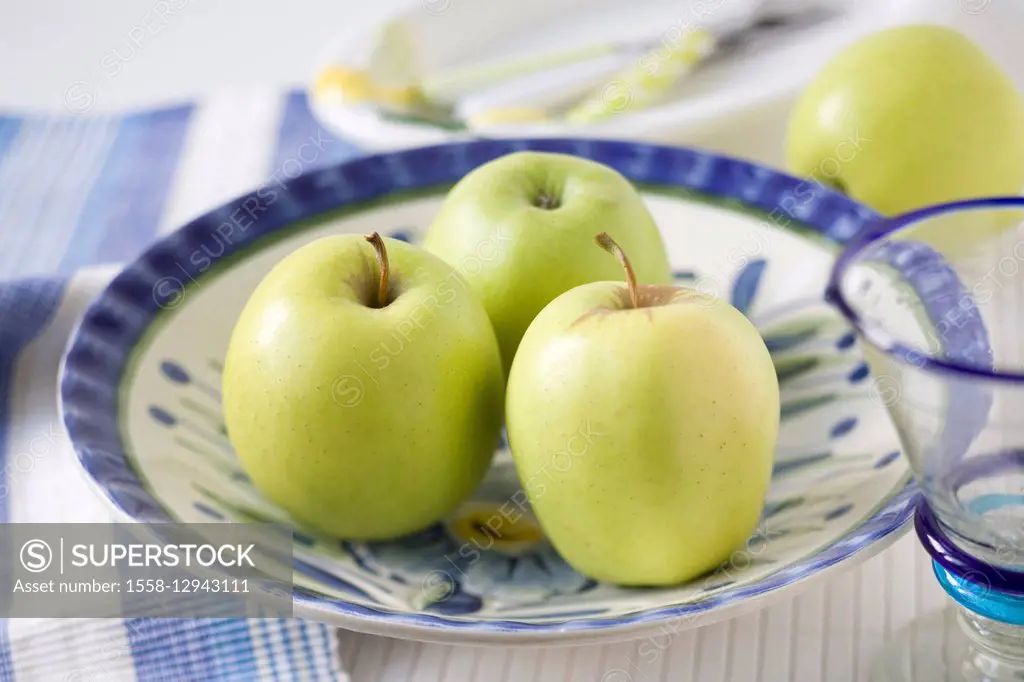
(382, 262)
(605, 241)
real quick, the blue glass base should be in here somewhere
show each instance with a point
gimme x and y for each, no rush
(978, 597)
(981, 639)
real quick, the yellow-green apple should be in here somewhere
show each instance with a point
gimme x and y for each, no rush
(643, 420)
(908, 117)
(519, 229)
(363, 387)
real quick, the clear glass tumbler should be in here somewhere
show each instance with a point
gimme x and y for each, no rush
(937, 300)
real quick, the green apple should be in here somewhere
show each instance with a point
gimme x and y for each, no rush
(364, 400)
(519, 229)
(643, 422)
(908, 117)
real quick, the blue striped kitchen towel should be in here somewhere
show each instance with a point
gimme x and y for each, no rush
(81, 192)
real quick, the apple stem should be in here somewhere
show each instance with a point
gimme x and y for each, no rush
(382, 261)
(605, 241)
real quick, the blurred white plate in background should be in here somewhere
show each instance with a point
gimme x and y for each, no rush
(727, 107)
(736, 106)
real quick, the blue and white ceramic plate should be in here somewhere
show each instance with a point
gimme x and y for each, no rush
(141, 399)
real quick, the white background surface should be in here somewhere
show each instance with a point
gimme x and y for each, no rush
(202, 46)
(205, 46)
(829, 633)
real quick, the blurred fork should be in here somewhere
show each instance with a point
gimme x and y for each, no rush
(595, 89)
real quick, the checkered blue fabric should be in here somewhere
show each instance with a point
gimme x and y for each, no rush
(78, 192)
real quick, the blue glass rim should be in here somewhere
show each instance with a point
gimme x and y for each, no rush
(900, 352)
(946, 554)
